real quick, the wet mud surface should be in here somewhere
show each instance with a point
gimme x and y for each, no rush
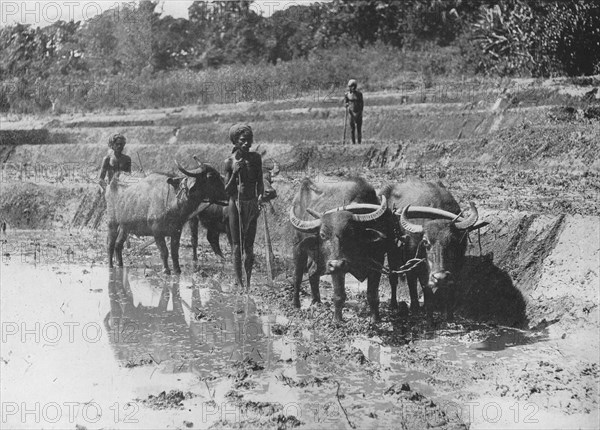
(133, 348)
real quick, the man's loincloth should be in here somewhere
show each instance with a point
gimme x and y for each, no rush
(249, 210)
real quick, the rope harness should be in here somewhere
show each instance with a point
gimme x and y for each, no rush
(183, 189)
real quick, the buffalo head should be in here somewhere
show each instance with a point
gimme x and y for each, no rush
(443, 237)
(201, 184)
(338, 238)
(340, 241)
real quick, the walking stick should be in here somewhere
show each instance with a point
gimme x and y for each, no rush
(345, 122)
(269, 251)
(240, 228)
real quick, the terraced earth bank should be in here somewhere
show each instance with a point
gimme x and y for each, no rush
(523, 352)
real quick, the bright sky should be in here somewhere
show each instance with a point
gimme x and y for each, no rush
(42, 13)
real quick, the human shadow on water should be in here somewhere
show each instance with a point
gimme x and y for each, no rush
(202, 336)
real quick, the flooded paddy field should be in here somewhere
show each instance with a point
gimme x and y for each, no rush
(85, 346)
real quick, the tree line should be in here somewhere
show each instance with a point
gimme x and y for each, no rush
(497, 37)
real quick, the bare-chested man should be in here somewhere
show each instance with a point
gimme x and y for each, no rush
(354, 103)
(244, 186)
(117, 161)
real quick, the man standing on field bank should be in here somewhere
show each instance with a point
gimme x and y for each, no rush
(354, 103)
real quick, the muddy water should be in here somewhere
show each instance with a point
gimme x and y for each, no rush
(86, 345)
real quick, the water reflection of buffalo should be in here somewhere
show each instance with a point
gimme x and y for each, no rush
(214, 325)
(142, 331)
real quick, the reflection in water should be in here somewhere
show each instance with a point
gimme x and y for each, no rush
(139, 333)
(201, 337)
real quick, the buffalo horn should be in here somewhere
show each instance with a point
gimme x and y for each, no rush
(302, 225)
(428, 212)
(407, 225)
(197, 161)
(469, 222)
(187, 173)
(314, 213)
(373, 215)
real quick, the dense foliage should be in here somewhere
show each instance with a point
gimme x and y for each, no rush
(538, 38)
(135, 45)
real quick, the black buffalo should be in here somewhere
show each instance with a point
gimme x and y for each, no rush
(352, 238)
(429, 227)
(215, 220)
(159, 205)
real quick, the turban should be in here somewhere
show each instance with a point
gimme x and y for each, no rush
(237, 130)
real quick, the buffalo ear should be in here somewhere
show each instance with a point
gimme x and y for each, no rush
(174, 182)
(372, 235)
(309, 243)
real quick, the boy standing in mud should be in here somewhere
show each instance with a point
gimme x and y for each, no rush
(353, 100)
(116, 162)
(244, 186)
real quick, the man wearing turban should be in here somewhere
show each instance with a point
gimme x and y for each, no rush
(244, 186)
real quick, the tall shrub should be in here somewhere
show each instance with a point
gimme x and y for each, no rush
(529, 37)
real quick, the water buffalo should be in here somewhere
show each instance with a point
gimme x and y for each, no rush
(159, 205)
(353, 238)
(214, 218)
(435, 231)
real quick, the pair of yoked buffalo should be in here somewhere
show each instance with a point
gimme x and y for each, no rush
(412, 220)
(355, 236)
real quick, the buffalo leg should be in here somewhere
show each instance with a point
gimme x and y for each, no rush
(373, 295)
(339, 294)
(175, 239)
(113, 231)
(120, 242)
(411, 280)
(164, 253)
(428, 296)
(393, 278)
(194, 237)
(213, 238)
(314, 287)
(300, 259)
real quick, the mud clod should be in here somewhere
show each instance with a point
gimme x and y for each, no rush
(172, 400)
